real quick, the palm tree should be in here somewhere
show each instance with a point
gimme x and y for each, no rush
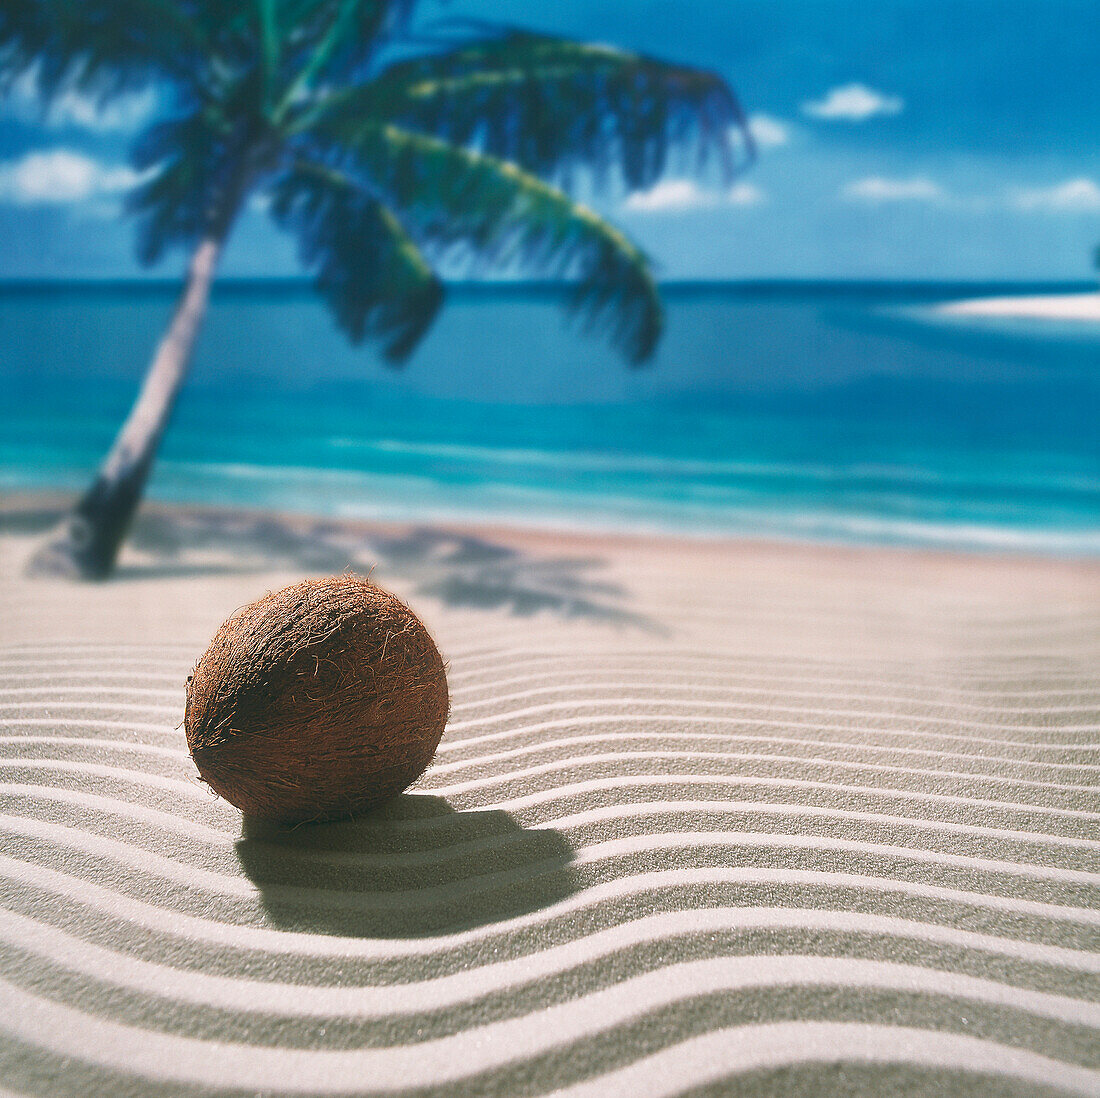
(383, 151)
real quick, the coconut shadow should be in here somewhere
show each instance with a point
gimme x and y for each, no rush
(413, 867)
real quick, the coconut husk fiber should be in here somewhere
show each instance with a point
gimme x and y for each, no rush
(317, 702)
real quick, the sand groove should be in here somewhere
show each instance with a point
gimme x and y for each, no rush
(640, 864)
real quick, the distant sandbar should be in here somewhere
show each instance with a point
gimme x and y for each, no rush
(1079, 307)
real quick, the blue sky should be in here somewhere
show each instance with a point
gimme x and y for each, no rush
(899, 139)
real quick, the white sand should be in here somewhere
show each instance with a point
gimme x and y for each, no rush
(1078, 307)
(193, 567)
(702, 811)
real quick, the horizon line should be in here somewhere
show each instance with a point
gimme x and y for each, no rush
(554, 284)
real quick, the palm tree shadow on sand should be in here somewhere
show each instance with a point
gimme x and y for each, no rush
(414, 867)
(459, 568)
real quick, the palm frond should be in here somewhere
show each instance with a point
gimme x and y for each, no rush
(368, 270)
(458, 201)
(104, 48)
(333, 42)
(193, 163)
(551, 105)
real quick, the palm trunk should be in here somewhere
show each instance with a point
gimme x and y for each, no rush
(87, 542)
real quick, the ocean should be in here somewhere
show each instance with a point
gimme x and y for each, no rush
(845, 413)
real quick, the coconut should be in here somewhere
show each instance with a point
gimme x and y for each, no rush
(316, 702)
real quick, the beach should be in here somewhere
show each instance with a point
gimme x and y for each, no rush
(1083, 308)
(727, 816)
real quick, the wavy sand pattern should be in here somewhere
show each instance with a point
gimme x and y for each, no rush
(708, 819)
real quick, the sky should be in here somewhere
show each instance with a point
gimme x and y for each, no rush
(898, 139)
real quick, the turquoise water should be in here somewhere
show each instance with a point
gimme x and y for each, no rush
(829, 412)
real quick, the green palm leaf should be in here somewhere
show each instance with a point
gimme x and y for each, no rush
(105, 49)
(192, 163)
(552, 105)
(464, 204)
(368, 270)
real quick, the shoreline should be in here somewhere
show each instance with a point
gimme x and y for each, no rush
(1079, 308)
(32, 513)
(183, 571)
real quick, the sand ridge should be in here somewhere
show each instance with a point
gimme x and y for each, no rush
(731, 815)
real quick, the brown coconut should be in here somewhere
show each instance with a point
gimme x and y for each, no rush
(316, 702)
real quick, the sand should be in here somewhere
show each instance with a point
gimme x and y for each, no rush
(768, 819)
(1073, 307)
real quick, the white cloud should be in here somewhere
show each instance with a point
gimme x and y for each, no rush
(768, 132)
(1072, 196)
(60, 176)
(126, 113)
(686, 194)
(744, 194)
(877, 188)
(672, 194)
(74, 109)
(853, 103)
